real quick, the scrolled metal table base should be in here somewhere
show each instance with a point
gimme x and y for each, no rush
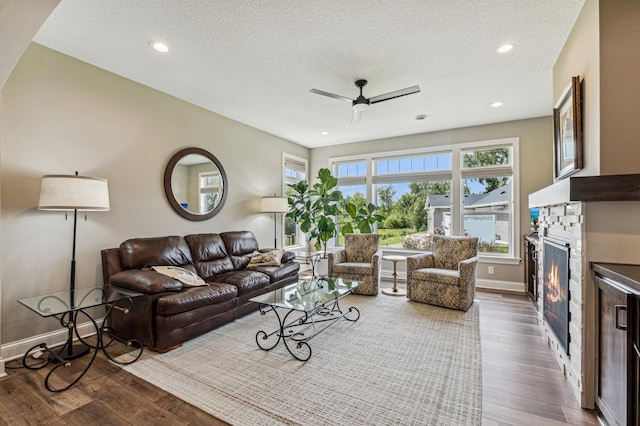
(40, 356)
(295, 333)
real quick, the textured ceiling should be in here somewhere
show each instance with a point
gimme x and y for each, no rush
(255, 61)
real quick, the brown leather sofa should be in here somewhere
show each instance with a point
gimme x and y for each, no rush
(169, 313)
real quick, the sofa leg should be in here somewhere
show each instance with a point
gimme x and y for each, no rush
(165, 350)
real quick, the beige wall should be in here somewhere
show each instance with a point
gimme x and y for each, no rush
(535, 165)
(619, 86)
(580, 57)
(61, 115)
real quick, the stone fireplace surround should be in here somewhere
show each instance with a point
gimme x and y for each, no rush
(587, 214)
(564, 222)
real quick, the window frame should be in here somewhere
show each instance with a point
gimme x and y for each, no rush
(456, 175)
(301, 237)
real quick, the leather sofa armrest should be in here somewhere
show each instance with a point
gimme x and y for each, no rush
(287, 256)
(419, 261)
(143, 281)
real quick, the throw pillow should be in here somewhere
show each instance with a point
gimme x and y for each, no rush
(271, 258)
(186, 277)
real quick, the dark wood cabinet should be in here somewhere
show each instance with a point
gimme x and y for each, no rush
(617, 342)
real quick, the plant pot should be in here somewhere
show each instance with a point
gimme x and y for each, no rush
(322, 267)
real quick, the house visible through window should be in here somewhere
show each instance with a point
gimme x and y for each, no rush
(466, 189)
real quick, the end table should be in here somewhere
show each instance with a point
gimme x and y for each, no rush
(395, 291)
(66, 306)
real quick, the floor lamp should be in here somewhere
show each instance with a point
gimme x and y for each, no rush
(73, 192)
(275, 205)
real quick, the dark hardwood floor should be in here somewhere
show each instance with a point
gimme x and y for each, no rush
(522, 384)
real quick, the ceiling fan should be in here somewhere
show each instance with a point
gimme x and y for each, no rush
(361, 103)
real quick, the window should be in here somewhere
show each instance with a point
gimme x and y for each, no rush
(488, 198)
(210, 189)
(352, 183)
(295, 170)
(467, 189)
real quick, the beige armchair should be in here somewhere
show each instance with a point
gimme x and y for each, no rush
(447, 277)
(358, 260)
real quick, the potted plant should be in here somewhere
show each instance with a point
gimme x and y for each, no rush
(364, 217)
(315, 208)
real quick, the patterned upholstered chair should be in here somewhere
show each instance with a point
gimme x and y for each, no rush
(447, 277)
(358, 260)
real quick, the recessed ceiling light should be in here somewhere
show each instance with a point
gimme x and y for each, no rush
(324, 133)
(497, 104)
(505, 48)
(421, 117)
(159, 46)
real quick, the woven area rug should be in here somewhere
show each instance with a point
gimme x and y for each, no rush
(401, 363)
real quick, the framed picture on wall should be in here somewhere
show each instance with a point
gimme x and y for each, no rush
(567, 131)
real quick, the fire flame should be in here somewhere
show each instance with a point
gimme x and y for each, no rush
(555, 293)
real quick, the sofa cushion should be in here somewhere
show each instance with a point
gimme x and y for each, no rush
(277, 273)
(245, 280)
(240, 246)
(209, 254)
(138, 253)
(145, 281)
(196, 297)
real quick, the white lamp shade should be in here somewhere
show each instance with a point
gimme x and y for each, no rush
(274, 205)
(72, 192)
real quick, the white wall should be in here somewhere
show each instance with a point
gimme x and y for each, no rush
(61, 115)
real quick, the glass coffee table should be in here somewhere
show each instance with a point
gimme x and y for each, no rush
(304, 310)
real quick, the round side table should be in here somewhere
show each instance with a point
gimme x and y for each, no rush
(395, 291)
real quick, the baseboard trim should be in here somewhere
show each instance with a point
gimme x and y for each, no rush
(17, 349)
(508, 286)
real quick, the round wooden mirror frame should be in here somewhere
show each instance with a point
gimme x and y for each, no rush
(168, 190)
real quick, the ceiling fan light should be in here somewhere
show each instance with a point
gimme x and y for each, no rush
(360, 107)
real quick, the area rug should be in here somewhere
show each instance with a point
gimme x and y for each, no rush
(401, 363)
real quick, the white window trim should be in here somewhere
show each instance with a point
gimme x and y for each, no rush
(457, 174)
(285, 157)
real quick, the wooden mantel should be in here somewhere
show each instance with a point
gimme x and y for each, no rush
(605, 188)
(588, 188)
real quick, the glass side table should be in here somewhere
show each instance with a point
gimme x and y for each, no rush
(309, 257)
(68, 307)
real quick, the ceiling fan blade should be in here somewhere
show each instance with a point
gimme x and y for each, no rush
(396, 94)
(356, 115)
(331, 95)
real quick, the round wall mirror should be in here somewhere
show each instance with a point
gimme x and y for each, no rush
(195, 184)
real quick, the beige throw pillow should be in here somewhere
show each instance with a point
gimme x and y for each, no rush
(186, 277)
(271, 258)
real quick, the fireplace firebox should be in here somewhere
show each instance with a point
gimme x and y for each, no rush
(556, 290)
